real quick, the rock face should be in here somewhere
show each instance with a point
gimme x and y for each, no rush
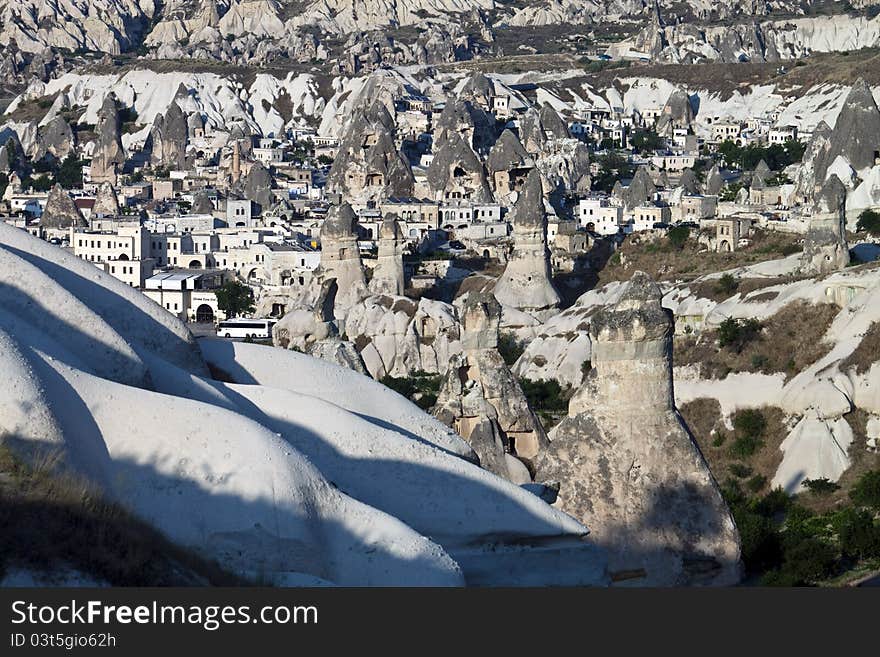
(457, 173)
(628, 465)
(55, 139)
(368, 165)
(855, 138)
(201, 203)
(482, 400)
(106, 202)
(526, 282)
(341, 258)
(109, 26)
(856, 134)
(397, 336)
(640, 190)
(108, 156)
(301, 328)
(169, 137)
(388, 275)
(257, 185)
(677, 113)
(61, 211)
(825, 247)
(714, 181)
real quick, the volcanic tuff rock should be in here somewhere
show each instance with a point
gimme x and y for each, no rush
(640, 190)
(110, 26)
(457, 172)
(257, 185)
(627, 463)
(300, 328)
(482, 400)
(526, 282)
(106, 202)
(397, 336)
(368, 164)
(856, 134)
(108, 156)
(56, 139)
(388, 276)
(825, 248)
(341, 259)
(201, 203)
(61, 211)
(169, 136)
(714, 181)
(507, 153)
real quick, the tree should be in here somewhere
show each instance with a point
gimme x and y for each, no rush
(70, 173)
(866, 491)
(647, 140)
(678, 236)
(235, 298)
(869, 221)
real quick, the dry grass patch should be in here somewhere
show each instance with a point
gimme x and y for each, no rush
(659, 258)
(867, 353)
(788, 342)
(750, 453)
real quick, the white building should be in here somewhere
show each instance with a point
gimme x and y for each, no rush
(599, 215)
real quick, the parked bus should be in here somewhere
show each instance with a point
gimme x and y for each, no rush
(246, 328)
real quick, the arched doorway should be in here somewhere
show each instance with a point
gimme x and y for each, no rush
(724, 247)
(195, 264)
(204, 313)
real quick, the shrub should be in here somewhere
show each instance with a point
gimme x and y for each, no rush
(740, 470)
(869, 221)
(866, 491)
(858, 534)
(809, 561)
(821, 486)
(773, 503)
(756, 483)
(509, 348)
(547, 396)
(750, 423)
(735, 334)
(727, 284)
(718, 441)
(760, 542)
(744, 446)
(678, 236)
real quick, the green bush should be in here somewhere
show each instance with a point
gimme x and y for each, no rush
(756, 483)
(735, 334)
(866, 491)
(750, 423)
(727, 284)
(858, 533)
(678, 236)
(743, 447)
(821, 486)
(869, 221)
(546, 396)
(740, 470)
(509, 348)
